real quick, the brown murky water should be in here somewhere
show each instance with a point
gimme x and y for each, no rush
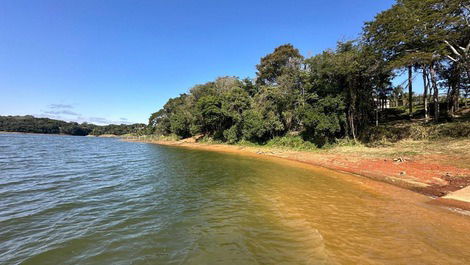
(77, 200)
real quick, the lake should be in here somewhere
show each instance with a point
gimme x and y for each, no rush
(85, 200)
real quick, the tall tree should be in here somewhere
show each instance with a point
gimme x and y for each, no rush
(283, 60)
(389, 35)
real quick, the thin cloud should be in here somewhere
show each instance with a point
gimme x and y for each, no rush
(104, 121)
(62, 112)
(60, 106)
(80, 119)
(99, 120)
(50, 116)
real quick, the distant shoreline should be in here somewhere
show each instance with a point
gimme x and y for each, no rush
(63, 134)
(6, 132)
(36, 125)
(356, 165)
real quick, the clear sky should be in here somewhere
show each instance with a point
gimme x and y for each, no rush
(118, 61)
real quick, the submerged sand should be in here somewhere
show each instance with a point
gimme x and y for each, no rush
(429, 175)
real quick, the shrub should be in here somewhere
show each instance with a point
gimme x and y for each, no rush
(293, 142)
(231, 135)
(415, 131)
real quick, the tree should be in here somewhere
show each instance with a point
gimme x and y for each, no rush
(339, 92)
(234, 103)
(284, 59)
(324, 120)
(389, 34)
(160, 121)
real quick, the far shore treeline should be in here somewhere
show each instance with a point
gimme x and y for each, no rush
(30, 124)
(342, 92)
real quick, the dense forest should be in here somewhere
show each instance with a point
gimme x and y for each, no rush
(30, 124)
(341, 92)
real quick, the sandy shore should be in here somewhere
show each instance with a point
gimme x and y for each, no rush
(437, 177)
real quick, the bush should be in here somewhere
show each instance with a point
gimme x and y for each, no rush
(209, 140)
(415, 131)
(231, 135)
(346, 142)
(451, 130)
(292, 142)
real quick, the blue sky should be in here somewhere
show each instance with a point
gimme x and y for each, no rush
(118, 61)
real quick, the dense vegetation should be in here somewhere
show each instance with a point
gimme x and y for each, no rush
(339, 93)
(30, 124)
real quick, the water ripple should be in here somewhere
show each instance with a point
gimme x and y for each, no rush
(80, 200)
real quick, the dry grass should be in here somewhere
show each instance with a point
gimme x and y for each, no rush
(457, 151)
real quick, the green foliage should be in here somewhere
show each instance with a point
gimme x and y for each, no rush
(155, 137)
(274, 65)
(209, 140)
(30, 124)
(324, 120)
(121, 129)
(415, 131)
(291, 142)
(179, 124)
(309, 97)
(75, 129)
(345, 142)
(337, 94)
(232, 135)
(209, 114)
(253, 126)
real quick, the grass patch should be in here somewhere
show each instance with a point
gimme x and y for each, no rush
(282, 143)
(385, 134)
(291, 142)
(210, 140)
(155, 137)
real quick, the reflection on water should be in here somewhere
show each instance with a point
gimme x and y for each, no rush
(79, 200)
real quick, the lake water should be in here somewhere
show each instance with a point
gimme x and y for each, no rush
(83, 200)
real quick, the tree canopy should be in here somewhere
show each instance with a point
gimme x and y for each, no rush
(30, 124)
(339, 92)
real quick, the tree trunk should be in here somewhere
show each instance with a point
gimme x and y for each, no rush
(410, 90)
(454, 83)
(376, 115)
(425, 94)
(352, 108)
(455, 98)
(450, 98)
(436, 92)
(465, 95)
(351, 124)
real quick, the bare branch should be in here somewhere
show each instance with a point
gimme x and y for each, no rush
(452, 59)
(453, 49)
